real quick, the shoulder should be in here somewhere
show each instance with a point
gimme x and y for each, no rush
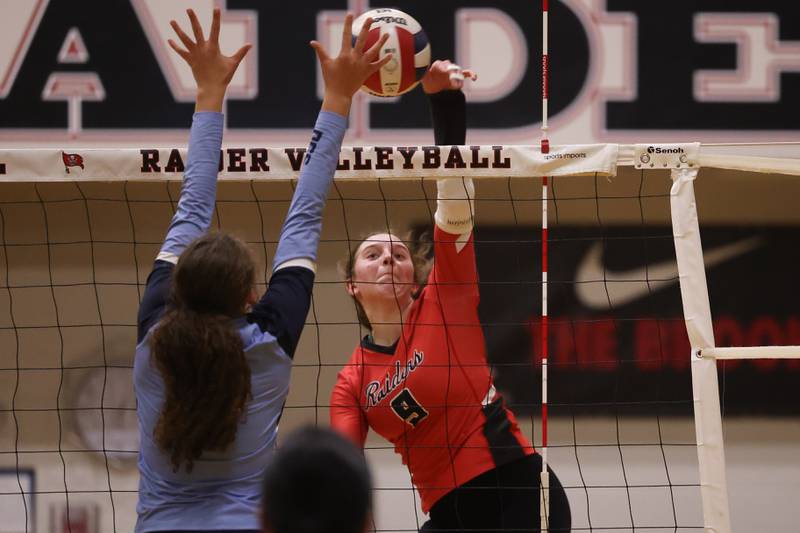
(261, 347)
(352, 369)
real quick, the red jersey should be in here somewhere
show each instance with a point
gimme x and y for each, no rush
(432, 396)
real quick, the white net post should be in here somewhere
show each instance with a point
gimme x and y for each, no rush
(705, 388)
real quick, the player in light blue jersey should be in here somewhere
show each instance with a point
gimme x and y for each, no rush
(213, 360)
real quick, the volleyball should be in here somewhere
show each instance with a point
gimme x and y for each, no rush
(408, 45)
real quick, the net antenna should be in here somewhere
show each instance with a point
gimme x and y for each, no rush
(544, 505)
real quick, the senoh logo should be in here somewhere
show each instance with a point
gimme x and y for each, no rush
(662, 150)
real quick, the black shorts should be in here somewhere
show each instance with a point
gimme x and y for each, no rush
(503, 499)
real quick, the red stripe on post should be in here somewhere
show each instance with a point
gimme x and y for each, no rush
(544, 250)
(544, 425)
(409, 75)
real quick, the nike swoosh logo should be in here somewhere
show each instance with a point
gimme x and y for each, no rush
(618, 288)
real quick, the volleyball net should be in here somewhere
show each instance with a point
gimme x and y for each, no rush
(634, 411)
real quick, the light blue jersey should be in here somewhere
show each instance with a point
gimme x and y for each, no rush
(223, 490)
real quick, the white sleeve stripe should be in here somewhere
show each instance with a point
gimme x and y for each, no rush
(168, 257)
(299, 262)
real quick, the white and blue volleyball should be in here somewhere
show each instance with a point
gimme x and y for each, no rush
(408, 44)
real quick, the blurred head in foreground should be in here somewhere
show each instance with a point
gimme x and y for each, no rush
(318, 482)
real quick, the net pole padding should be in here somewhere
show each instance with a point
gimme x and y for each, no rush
(751, 352)
(705, 387)
(544, 501)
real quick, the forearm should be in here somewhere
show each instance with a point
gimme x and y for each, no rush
(198, 193)
(448, 114)
(301, 230)
(455, 205)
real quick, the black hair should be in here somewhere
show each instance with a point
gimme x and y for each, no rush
(317, 482)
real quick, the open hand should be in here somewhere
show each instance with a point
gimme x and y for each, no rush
(445, 75)
(212, 70)
(347, 72)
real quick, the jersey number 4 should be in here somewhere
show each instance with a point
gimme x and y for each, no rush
(408, 408)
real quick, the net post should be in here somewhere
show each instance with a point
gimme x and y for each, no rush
(544, 507)
(705, 387)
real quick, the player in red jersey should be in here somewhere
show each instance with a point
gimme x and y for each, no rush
(420, 378)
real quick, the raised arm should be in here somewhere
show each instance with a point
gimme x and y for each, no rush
(212, 72)
(343, 76)
(283, 308)
(454, 273)
(442, 84)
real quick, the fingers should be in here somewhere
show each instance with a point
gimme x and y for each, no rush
(240, 53)
(377, 65)
(213, 36)
(440, 65)
(372, 54)
(457, 75)
(180, 51)
(362, 35)
(187, 42)
(321, 53)
(347, 33)
(196, 28)
(453, 68)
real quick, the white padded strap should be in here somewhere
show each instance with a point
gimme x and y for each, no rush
(455, 205)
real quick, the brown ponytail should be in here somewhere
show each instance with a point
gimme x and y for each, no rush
(199, 352)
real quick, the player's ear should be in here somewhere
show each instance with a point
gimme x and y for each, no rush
(252, 297)
(350, 286)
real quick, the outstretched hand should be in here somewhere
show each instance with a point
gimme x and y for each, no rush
(445, 75)
(347, 72)
(212, 70)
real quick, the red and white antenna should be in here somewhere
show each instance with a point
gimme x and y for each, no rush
(544, 507)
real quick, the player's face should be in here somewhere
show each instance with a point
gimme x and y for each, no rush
(383, 269)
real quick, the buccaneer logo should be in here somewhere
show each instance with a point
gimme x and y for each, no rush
(72, 160)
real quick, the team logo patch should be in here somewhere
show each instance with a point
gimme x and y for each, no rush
(72, 160)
